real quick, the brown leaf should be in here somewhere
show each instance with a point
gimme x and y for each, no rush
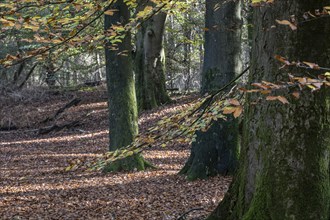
(271, 98)
(296, 94)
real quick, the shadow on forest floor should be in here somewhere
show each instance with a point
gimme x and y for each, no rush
(33, 183)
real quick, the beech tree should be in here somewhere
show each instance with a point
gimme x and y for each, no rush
(215, 151)
(121, 92)
(150, 60)
(284, 163)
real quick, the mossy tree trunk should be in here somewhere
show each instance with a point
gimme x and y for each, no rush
(215, 151)
(284, 164)
(121, 92)
(150, 61)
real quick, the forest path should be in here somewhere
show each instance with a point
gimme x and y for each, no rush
(34, 185)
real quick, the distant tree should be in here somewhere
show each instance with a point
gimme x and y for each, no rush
(121, 92)
(150, 60)
(215, 151)
(284, 163)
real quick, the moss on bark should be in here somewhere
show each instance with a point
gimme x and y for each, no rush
(136, 162)
(123, 116)
(284, 172)
(216, 150)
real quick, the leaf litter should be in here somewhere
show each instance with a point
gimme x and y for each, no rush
(34, 185)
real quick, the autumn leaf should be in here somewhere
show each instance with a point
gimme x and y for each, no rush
(312, 65)
(286, 22)
(265, 92)
(234, 102)
(283, 99)
(238, 111)
(279, 98)
(260, 85)
(110, 12)
(282, 59)
(229, 110)
(296, 94)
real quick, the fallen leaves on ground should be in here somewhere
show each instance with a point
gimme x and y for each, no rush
(34, 185)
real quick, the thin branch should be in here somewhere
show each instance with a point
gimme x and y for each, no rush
(69, 38)
(183, 216)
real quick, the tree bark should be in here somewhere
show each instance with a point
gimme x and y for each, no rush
(123, 116)
(150, 61)
(284, 164)
(216, 150)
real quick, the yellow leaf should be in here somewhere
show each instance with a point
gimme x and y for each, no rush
(265, 92)
(73, 32)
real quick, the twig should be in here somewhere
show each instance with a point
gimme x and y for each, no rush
(183, 216)
(69, 38)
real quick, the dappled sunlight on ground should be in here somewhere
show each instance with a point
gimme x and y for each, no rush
(58, 139)
(34, 184)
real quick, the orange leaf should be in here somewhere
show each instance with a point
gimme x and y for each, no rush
(283, 99)
(279, 98)
(234, 102)
(110, 12)
(296, 94)
(229, 110)
(286, 22)
(282, 59)
(238, 111)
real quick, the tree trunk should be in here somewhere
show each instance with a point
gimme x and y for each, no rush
(123, 117)
(284, 166)
(216, 151)
(150, 62)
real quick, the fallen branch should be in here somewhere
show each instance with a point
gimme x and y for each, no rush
(8, 128)
(73, 102)
(57, 128)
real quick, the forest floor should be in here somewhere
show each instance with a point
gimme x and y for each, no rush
(35, 185)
